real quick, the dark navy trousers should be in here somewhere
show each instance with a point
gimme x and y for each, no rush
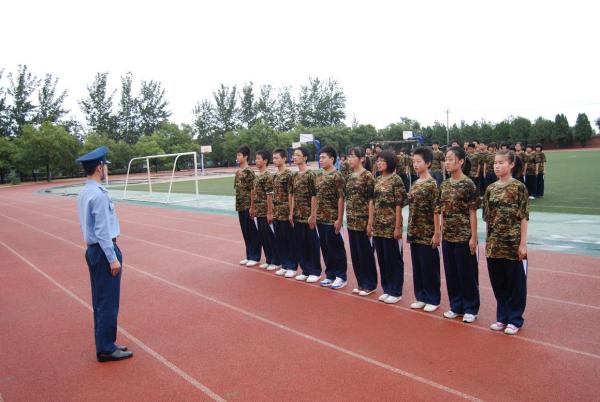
(307, 248)
(509, 282)
(106, 290)
(284, 243)
(267, 240)
(334, 252)
(540, 185)
(363, 259)
(426, 273)
(462, 277)
(531, 183)
(250, 234)
(391, 265)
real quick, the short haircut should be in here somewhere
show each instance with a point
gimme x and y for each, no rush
(281, 152)
(471, 145)
(503, 144)
(435, 143)
(492, 145)
(538, 145)
(359, 152)
(90, 169)
(330, 151)
(304, 151)
(265, 155)
(425, 153)
(390, 160)
(529, 146)
(244, 150)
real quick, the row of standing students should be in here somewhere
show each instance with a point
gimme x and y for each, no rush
(295, 216)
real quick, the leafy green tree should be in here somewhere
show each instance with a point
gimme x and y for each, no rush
(8, 152)
(520, 129)
(152, 107)
(562, 134)
(437, 132)
(21, 89)
(321, 103)
(128, 113)
(4, 111)
(502, 132)
(470, 132)
(150, 145)
(50, 103)
(486, 132)
(285, 113)
(97, 107)
(597, 121)
(583, 129)
(541, 131)
(204, 124)
(226, 110)
(248, 112)
(266, 105)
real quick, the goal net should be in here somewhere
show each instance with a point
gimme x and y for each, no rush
(167, 178)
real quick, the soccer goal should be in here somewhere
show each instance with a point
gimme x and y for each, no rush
(178, 184)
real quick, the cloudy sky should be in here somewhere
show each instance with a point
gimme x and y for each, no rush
(479, 59)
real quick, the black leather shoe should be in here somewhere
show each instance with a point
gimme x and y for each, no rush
(116, 355)
(122, 347)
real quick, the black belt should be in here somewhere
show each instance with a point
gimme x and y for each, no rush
(114, 240)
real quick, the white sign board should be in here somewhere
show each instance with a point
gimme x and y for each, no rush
(407, 135)
(205, 149)
(304, 138)
(296, 145)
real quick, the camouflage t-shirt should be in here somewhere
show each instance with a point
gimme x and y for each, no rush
(522, 156)
(243, 184)
(303, 188)
(423, 199)
(457, 198)
(359, 190)
(345, 169)
(330, 187)
(530, 160)
(263, 185)
(489, 160)
(541, 159)
(436, 163)
(389, 193)
(281, 190)
(474, 159)
(505, 205)
(400, 165)
(411, 167)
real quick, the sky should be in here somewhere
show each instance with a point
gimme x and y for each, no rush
(479, 59)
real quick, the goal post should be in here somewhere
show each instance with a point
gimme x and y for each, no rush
(151, 196)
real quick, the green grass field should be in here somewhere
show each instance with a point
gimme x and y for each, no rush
(572, 184)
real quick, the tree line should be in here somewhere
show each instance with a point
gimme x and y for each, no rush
(39, 139)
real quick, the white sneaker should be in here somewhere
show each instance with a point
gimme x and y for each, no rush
(290, 273)
(251, 263)
(451, 314)
(429, 308)
(469, 318)
(281, 272)
(338, 283)
(243, 262)
(272, 267)
(392, 299)
(365, 292)
(313, 278)
(263, 266)
(417, 305)
(498, 326)
(531, 197)
(383, 297)
(511, 329)
(356, 291)
(301, 277)
(326, 283)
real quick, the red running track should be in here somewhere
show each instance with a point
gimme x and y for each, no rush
(204, 328)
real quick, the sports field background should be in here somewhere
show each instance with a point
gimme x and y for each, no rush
(572, 184)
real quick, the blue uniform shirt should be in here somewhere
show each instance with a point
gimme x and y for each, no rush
(97, 218)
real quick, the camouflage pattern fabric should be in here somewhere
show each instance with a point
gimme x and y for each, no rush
(282, 182)
(263, 185)
(474, 159)
(359, 191)
(400, 164)
(423, 199)
(436, 163)
(330, 187)
(505, 205)
(389, 193)
(243, 184)
(541, 159)
(411, 167)
(530, 160)
(303, 188)
(345, 169)
(489, 160)
(457, 198)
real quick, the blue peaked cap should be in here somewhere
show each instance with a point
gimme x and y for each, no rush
(94, 158)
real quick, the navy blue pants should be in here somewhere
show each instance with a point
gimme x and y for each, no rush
(462, 277)
(490, 178)
(391, 265)
(405, 181)
(509, 282)
(284, 243)
(106, 290)
(363, 259)
(250, 234)
(307, 248)
(531, 183)
(426, 273)
(334, 252)
(267, 240)
(540, 185)
(438, 176)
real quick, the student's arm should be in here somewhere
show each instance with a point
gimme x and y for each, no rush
(473, 222)
(523, 244)
(252, 211)
(370, 221)
(269, 208)
(291, 204)
(398, 226)
(437, 234)
(312, 219)
(340, 218)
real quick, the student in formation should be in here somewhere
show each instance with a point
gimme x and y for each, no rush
(458, 205)
(359, 217)
(284, 235)
(411, 169)
(374, 158)
(369, 162)
(506, 207)
(345, 168)
(518, 149)
(531, 171)
(389, 198)
(303, 216)
(261, 208)
(330, 219)
(488, 167)
(401, 168)
(424, 234)
(437, 163)
(541, 161)
(473, 157)
(243, 185)
(483, 154)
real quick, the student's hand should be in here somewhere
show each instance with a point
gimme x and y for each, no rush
(269, 218)
(398, 233)
(291, 219)
(252, 212)
(522, 251)
(312, 222)
(369, 230)
(115, 267)
(435, 240)
(338, 226)
(473, 246)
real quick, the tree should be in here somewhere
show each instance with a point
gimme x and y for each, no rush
(541, 131)
(4, 111)
(265, 105)
(149, 145)
(50, 104)
(226, 111)
(520, 129)
(583, 129)
(205, 121)
(8, 152)
(248, 111)
(285, 113)
(562, 134)
(321, 104)
(501, 132)
(597, 120)
(97, 107)
(128, 114)
(21, 89)
(152, 107)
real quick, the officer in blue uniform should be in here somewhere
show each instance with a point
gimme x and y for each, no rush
(100, 228)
